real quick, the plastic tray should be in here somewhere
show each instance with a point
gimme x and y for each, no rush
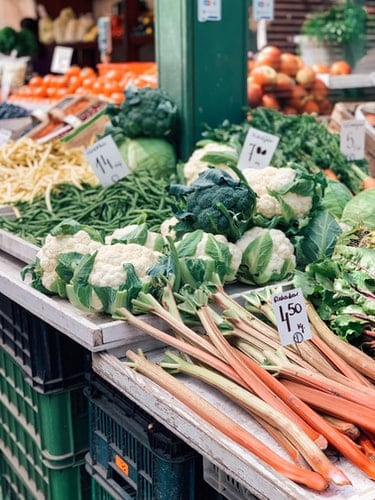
(225, 484)
(50, 360)
(44, 429)
(136, 456)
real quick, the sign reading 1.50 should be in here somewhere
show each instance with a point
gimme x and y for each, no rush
(290, 312)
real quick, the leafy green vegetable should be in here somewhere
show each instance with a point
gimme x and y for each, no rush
(215, 203)
(145, 112)
(155, 157)
(360, 211)
(336, 196)
(23, 41)
(318, 239)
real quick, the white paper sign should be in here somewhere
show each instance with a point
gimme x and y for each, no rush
(209, 10)
(106, 161)
(263, 9)
(291, 317)
(258, 149)
(61, 59)
(4, 136)
(352, 139)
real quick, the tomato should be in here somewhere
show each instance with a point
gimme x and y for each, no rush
(73, 71)
(36, 81)
(270, 101)
(310, 106)
(319, 90)
(111, 87)
(39, 92)
(62, 92)
(114, 74)
(298, 97)
(73, 83)
(305, 76)
(270, 56)
(340, 68)
(325, 107)
(254, 93)
(320, 67)
(88, 82)
(289, 63)
(97, 87)
(264, 75)
(117, 97)
(51, 91)
(87, 71)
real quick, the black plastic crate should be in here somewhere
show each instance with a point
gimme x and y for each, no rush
(50, 360)
(134, 457)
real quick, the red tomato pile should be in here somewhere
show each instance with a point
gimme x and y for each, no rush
(281, 81)
(109, 85)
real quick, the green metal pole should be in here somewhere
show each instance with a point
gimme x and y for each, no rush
(202, 65)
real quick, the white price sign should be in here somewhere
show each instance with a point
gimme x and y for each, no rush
(106, 161)
(209, 10)
(258, 149)
(61, 59)
(352, 139)
(291, 317)
(263, 9)
(5, 135)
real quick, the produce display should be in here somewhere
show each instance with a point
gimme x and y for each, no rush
(280, 80)
(109, 82)
(169, 240)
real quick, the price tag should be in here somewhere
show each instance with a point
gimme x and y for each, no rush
(106, 161)
(209, 10)
(263, 9)
(291, 317)
(5, 135)
(61, 59)
(352, 139)
(258, 149)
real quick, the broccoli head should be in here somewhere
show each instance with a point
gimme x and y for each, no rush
(216, 203)
(145, 112)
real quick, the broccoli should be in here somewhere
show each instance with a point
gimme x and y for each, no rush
(23, 41)
(146, 112)
(215, 203)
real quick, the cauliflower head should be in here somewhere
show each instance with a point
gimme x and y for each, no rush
(214, 247)
(267, 256)
(80, 242)
(271, 186)
(166, 227)
(108, 269)
(195, 165)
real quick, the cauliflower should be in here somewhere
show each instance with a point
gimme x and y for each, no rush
(136, 233)
(108, 268)
(166, 227)
(195, 165)
(267, 256)
(111, 277)
(276, 187)
(215, 247)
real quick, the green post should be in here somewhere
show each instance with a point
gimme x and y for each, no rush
(202, 64)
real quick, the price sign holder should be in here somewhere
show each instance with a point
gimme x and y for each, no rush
(352, 139)
(106, 161)
(258, 149)
(291, 316)
(209, 10)
(263, 9)
(61, 59)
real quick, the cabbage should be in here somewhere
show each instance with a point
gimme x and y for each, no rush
(155, 157)
(360, 210)
(336, 196)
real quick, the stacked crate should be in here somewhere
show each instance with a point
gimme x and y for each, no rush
(134, 457)
(43, 410)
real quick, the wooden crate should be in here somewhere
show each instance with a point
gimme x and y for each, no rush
(346, 111)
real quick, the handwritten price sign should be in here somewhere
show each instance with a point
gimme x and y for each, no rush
(291, 317)
(352, 139)
(106, 161)
(258, 149)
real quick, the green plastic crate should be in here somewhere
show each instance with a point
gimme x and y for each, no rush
(50, 428)
(17, 483)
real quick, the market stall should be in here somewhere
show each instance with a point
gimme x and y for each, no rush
(142, 238)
